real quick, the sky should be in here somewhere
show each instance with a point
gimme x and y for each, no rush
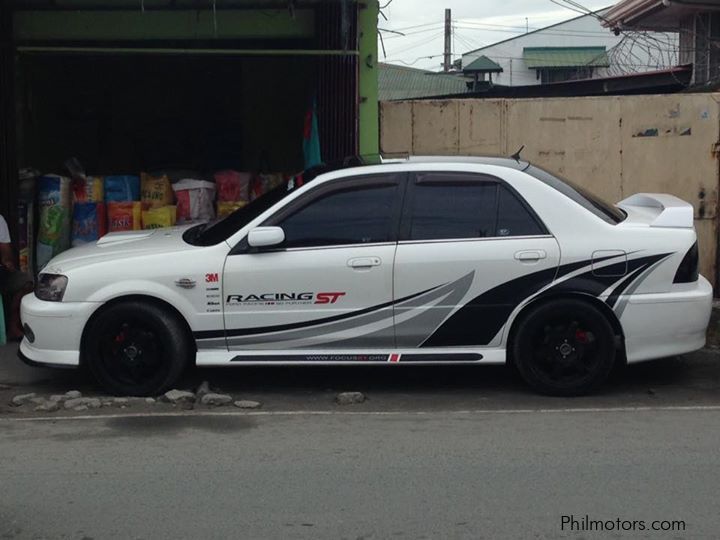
(476, 23)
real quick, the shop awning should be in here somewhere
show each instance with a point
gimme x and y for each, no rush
(561, 57)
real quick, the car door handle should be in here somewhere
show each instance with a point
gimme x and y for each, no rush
(530, 255)
(364, 262)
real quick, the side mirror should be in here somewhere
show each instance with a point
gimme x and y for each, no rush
(265, 237)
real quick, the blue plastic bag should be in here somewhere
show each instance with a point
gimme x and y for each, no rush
(122, 188)
(89, 221)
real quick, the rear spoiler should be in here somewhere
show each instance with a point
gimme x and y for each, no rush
(671, 211)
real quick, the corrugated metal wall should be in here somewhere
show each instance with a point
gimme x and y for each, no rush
(337, 94)
(613, 146)
(8, 160)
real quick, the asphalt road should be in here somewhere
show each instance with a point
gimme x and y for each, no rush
(441, 452)
(352, 475)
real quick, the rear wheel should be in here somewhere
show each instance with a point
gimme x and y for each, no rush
(564, 348)
(136, 348)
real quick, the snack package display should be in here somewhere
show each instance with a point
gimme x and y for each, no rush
(156, 191)
(157, 218)
(233, 186)
(263, 183)
(122, 188)
(195, 200)
(124, 216)
(26, 206)
(54, 203)
(88, 190)
(225, 208)
(89, 222)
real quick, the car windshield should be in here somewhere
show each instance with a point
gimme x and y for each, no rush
(214, 232)
(605, 211)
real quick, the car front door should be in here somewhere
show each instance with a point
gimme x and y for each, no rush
(329, 285)
(470, 251)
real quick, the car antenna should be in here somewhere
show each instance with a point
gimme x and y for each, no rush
(516, 155)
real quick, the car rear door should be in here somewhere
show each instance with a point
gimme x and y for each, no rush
(470, 250)
(329, 286)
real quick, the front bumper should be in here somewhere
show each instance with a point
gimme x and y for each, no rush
(667, 324)
(57, 329)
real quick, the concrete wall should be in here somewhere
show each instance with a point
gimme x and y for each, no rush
(584, 31)
(614, 146)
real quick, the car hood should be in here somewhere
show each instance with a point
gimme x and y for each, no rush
(121, 245)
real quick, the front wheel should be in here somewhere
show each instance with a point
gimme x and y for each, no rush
(135, 348)
(564, 348)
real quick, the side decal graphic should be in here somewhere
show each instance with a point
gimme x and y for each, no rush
(479, 321)
(371, 357)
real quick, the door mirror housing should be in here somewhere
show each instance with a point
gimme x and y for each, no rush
(261, 237)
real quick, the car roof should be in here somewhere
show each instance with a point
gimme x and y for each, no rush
(510, 163)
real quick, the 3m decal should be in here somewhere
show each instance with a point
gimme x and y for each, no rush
(212, 278)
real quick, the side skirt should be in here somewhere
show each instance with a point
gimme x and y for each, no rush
(351, 357)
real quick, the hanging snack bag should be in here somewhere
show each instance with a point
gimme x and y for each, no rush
(156, 191)
(225, 208)
(122, 188)
(89, 223)
(195, 200)
(233, 186)
(54, 213)
(88, 189)
(124, 216)
(157, 218)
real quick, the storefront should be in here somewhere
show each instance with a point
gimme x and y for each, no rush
(182, 88)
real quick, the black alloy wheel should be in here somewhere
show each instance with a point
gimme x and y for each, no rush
(564, 348)
(136, 348)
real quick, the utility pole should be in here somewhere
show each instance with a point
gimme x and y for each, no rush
(448, 36)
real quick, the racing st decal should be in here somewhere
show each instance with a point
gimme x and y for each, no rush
(284, 298)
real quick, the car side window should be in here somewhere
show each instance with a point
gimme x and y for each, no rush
(514, 219)
(362, 214)
(461, 206)
(452, 210)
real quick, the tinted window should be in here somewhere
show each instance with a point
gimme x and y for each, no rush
(359, 215)
(457, 208)
(607, 212)
(453, 210)
(514, 219)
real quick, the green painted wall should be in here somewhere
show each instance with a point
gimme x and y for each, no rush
(134, 25)
(369, 146)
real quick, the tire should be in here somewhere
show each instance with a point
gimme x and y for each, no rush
(564, 348)
(136, 348)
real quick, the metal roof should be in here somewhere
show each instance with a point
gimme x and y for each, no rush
(597, 13)
(558, 57)
(483, 64)
(400, 82)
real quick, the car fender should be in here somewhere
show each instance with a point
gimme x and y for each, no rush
(139, 287)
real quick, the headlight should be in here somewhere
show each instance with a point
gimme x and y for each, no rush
(51, 287)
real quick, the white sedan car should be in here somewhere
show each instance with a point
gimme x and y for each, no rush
(417, 261)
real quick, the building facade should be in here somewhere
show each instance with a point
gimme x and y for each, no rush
(579, 48)
(695, 22)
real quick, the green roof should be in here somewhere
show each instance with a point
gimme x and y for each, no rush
(483, 64)
(400, 82)
(559, 57)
